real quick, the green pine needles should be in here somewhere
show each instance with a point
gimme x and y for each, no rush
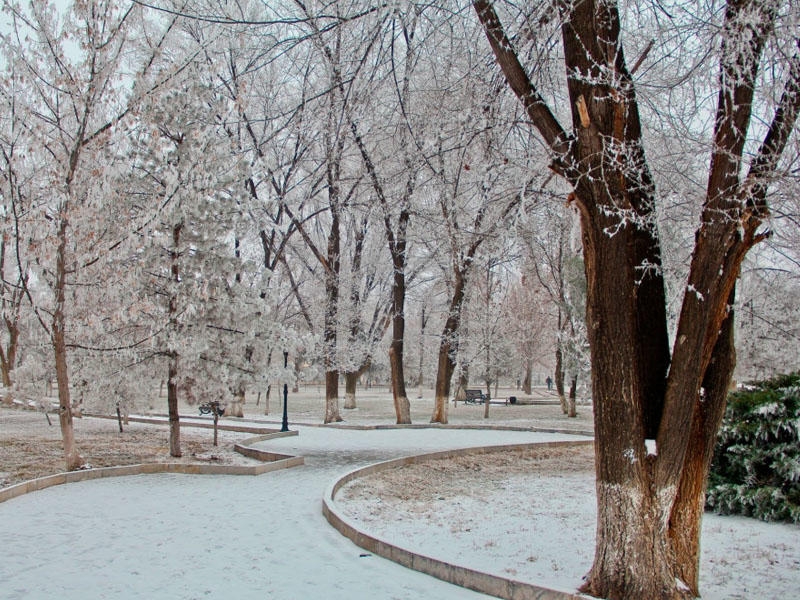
(756, 466)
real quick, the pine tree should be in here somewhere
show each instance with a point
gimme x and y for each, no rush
(756, 466)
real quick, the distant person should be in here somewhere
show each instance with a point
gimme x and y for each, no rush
(549, 383)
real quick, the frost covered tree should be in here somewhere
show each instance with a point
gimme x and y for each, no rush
(528, 321)
(201, 297)
(650, 503)
(478, 179)
(13, 271)
(75, 76)
(558, 270)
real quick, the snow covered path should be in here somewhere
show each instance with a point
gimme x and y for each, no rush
(189, 537)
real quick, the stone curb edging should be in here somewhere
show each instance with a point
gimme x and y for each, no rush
(186, 421)
(257, 426)
(494, 585)
(272, 461)
(467, 426)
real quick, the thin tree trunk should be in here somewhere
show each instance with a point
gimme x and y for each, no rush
(402, 406)
(421, 350)
(72, 458)
(172, 367)
(559, 378)
(331, 373)
(573, 391)
(448, 350)
(172, 408)
(528, 380)
(332, 308)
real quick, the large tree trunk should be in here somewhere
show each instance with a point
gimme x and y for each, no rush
(632, 558)
(350, 381)
(332, 397)
(444, 375)
(8, 357)
(649, 504)
(687, 511)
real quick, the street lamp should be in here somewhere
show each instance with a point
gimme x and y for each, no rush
(285, 425)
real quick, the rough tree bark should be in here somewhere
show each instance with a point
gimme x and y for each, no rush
(11, 304)
(649, 513)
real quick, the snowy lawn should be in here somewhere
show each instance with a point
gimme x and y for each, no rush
(530, 515)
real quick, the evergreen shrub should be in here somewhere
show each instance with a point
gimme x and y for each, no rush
(756, 467)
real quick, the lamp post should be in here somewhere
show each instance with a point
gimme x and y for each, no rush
(285, 425)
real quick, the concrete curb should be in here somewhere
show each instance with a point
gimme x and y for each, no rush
(494, 585)
(258, 426)
(272, 461)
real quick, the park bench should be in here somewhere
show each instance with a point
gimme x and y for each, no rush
(474, 397)
(478, 397)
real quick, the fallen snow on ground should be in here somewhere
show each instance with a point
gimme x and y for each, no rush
(186, 537)
(530, 516)
(220, 537)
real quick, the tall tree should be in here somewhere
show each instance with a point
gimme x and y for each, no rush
(558, 270)
(477, 194)
(72, 102)
(650, 504)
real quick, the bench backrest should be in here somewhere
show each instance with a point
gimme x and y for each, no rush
(474, 394)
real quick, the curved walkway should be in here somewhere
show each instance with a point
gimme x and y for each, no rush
(501, 587)
(179, 536)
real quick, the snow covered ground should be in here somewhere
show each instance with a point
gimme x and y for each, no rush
(187, 537)
(532, 518)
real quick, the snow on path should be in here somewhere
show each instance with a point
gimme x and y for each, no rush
(187, 537)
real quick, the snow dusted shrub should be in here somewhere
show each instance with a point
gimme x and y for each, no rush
(756, 466)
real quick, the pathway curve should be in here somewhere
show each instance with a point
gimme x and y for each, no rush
(172, 536)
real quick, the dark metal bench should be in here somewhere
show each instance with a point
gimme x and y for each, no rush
(474, 397)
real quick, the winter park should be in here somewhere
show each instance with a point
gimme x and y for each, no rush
(344, 299)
